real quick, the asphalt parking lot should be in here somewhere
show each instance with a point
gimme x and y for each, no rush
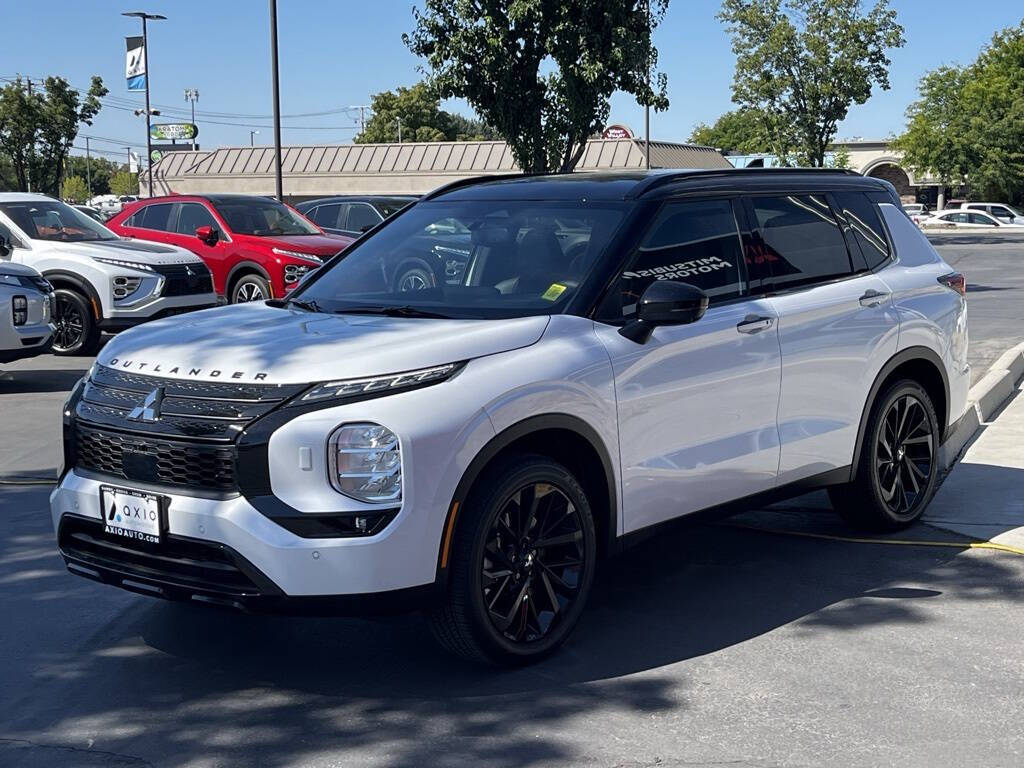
(712, 645)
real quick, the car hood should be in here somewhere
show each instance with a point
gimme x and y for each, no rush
(258, 343)
(131, 250)
(21, 270)
(321, 245)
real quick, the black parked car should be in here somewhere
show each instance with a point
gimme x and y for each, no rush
(352, 215)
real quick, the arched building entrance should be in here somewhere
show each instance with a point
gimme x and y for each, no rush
(891, 172)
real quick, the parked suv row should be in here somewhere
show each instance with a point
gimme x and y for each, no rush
(617, 351)
(256, 247)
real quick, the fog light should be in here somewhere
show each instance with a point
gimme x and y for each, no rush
(19, 307)
(366, 464)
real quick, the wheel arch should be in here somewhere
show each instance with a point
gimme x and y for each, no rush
(241, 269)
(69, 280)
(920, 364)
(566, 439)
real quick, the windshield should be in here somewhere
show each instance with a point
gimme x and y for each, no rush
(469, 259)
(263, 218)
(54, 220)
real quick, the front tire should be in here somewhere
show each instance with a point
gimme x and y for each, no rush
(250, 288)
(523, 560)
(898, 468)
(75, 330)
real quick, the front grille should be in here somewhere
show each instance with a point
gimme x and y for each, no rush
(155, 460)
(185, 279)
(177, 567)
(191, 442)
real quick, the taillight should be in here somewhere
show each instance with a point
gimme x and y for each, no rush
(955, 281)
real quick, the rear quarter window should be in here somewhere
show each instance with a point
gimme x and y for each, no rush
(865, 227)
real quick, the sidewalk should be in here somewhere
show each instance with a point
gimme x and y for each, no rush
(983, 495)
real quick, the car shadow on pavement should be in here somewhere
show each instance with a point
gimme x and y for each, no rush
(31, 381)
(179, 683)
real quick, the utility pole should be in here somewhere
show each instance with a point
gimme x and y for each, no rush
(192, 95)
(145, 63)
(277, 100)
(32, 145)
(647, 107)
(88, 172)
(362, 115)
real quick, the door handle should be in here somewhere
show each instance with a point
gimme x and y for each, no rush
(755, 324)
(873, 298)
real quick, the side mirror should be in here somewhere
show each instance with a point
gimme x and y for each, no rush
(207, 234)
(665, 302)
(5, 248)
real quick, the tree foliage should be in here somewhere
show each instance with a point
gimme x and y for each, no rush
(422, 119)
(38, 129)
(739, 130)
(99, 171)
(74, 190)
(124, 183)
(804, 63)
(967, 127)
(541, 71)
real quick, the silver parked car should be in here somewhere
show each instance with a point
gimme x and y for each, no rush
(26, 305)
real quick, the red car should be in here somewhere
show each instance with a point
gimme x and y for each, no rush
(256, 247)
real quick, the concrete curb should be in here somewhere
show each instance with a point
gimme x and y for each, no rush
(984, 399)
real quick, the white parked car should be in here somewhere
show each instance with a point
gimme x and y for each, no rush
(102, 282)
(1005, 213)
(620, 351)
(25, 304)
(957, 218)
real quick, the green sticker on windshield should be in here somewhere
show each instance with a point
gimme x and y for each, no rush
(552, 293)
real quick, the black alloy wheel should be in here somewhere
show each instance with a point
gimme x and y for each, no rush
(897, 470)
(904, 453)
(532, 563)
(75, 331)
(523, 558)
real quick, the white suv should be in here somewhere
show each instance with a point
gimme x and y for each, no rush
(25, 304)
(617, 351)
(1006, 214)
(102, 282)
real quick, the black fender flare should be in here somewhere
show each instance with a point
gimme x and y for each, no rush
(57, 276)
(504, 439)
(245, 266)
(902, 357)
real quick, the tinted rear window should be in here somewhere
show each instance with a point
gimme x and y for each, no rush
(802, 239)
(152, 217)
(865, 226)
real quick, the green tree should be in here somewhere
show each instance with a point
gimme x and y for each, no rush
(38, 129)
(541, 71)
(124, 183)
(422, 119)
(99, 171)
(739, 130)
(804, 63)
(74, 190)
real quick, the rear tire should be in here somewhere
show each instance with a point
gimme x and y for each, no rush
(898, 467)
(250, 288)
(75, 329)
(522, 564)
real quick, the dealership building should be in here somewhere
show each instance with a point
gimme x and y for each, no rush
(412, 168)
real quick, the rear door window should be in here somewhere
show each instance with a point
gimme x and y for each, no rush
(801, 240)
(690, 242)
(191, 216)
(361, 217)
(153, 217)
(327, 215)
(865, 226)
(980, 218)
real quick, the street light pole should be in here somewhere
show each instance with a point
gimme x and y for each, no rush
(192, 95)
(277, 100)
(252, 141)
(88, 172)
(647, 106)
(145, 63)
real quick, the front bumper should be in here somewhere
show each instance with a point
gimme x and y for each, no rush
(32, 340)
(121, 319)
(224, 551)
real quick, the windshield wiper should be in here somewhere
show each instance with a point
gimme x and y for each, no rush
(399, 311)
(309, 305)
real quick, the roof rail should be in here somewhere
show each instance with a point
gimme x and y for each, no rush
(662, 179)
(473, 180)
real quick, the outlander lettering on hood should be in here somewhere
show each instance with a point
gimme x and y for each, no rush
(178, 370)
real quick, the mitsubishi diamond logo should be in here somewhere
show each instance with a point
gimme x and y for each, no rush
(150, 408)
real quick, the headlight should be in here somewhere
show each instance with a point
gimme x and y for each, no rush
(124, 263)
(19, 310)
(297, 255)
(366, 463)
(379, 384)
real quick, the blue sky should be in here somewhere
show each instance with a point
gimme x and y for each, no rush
(336, 53)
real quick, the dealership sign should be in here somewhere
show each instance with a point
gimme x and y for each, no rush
(135, 63)
(173, 131)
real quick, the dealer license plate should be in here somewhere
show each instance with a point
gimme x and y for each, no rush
(132, 514)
